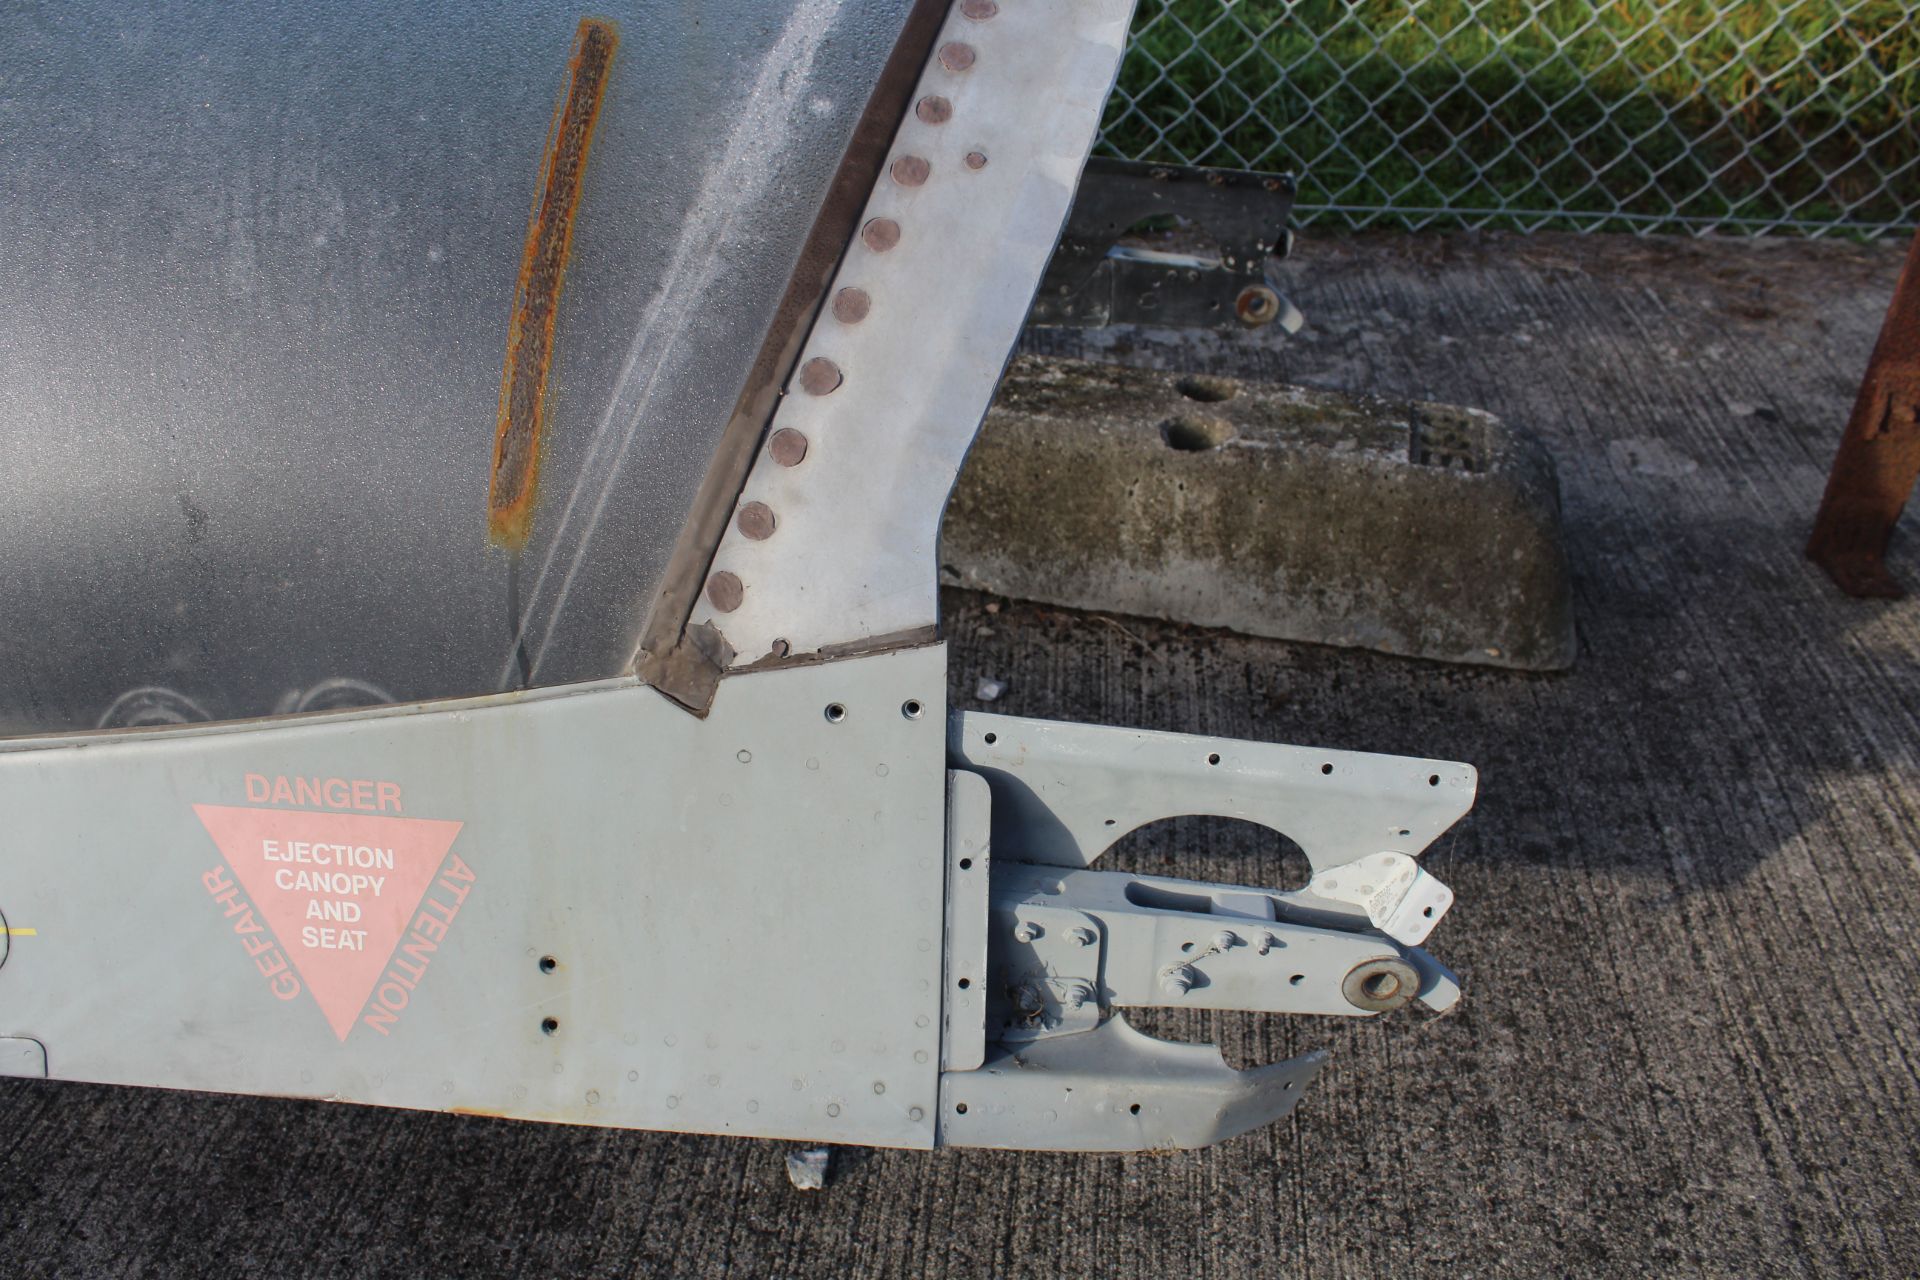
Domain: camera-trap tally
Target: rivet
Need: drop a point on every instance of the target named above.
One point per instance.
(956, 56)
(850, 306)
(725, 591)
(978, 10)
(910, 171)
(880, 234)
(933, 109)
(755, 521)
(976, 159)
(788, 447)
(820, 376)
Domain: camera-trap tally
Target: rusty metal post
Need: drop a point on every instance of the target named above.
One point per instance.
(1879, 455)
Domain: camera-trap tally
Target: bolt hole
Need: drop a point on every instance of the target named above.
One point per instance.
(1428, 913)
(960, 1108)
(1191, 433)
(965, 983)
(1109, 821)
(966, 864)
(992, 738)
(1405, 832)
(548, 964)
(549, 1025)
(1135, 1108)
(1208, 390)
(835, 713)
(911, 708)
(1214, 758)
(1297, 979)
(1433, 779)
(780, 648)
(1186, 946)
(1326, 768)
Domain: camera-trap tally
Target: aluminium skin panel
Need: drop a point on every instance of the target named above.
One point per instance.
(258, 267)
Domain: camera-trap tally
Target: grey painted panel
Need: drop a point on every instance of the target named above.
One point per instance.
(743, 912)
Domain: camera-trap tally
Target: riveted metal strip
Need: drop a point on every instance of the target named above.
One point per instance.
(833, 542)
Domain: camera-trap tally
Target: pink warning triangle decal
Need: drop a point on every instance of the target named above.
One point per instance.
(337, 889)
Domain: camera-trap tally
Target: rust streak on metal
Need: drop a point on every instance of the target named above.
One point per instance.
(536, 299)
(1879, 457)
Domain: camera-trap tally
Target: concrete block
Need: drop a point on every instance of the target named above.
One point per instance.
(1420, 529)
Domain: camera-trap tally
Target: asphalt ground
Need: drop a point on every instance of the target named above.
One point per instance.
(1685, 902)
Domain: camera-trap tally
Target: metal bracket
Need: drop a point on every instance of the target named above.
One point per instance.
(1202, 263)
(1114, 1089)
(1068, 947)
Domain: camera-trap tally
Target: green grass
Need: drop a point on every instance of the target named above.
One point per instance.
(1554, 112)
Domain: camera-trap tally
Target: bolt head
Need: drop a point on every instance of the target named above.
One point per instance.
(1085, 936)
(1026, 931)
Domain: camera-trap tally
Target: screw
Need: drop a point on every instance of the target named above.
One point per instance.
(788, 447)
(1224, 939)
(910, 171)
(1026, 931)
(820, 376)
(755, 521)
(850, 305)
(1085, 936)
(725, 591)
(1179, 979)
(1267, 943)
(1077, 998)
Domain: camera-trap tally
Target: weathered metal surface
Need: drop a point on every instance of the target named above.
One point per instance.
(1413, 528)
(1879, 460)
(728, 925)
(1114, 1089)
(948, 268)
(259, 271)
(969, 872)
(1068, 948)
(1177, 943)
(20, 1056)
(1064, 793)
(1202, 261)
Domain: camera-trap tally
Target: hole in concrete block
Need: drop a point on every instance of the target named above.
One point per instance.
(1208, 389)
(1192, 433)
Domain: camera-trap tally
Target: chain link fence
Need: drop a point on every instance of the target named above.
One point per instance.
(1743, 116)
